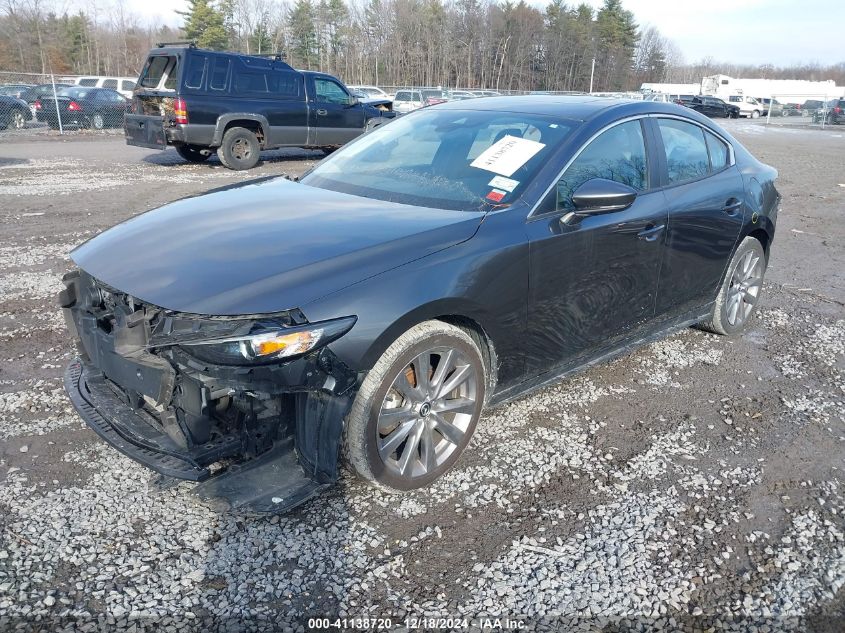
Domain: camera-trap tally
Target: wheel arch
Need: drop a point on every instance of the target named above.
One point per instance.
(253, 122)
(455, 311)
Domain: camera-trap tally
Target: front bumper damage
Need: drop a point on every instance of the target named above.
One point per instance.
(257, 438)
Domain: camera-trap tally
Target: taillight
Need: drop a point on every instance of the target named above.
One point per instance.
(837, 109)
(180, 109)
(37, 104)
(73, 106)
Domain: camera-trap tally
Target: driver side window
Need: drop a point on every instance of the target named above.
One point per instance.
(616, 154)
(328, 91)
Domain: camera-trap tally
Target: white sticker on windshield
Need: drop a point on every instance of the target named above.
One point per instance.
(507, 155)
(503, 183)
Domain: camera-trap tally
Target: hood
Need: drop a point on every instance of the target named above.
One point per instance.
(265, 247)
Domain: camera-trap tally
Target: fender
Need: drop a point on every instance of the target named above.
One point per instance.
(225, 119)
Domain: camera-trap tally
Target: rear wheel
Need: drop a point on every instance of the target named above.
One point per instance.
(240, 149)
(193, 153)
(755, 114)
(16, 120)
(417, 408)
(740, 289)
(97, 121)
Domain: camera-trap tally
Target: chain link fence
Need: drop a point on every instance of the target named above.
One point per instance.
(818, 111)
(32, 103)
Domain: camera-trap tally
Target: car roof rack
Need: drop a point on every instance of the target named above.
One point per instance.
(188, 43)
(279, 56)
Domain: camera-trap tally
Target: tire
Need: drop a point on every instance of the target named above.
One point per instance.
(97, 122)
(755, 114)
(240, 149)
(417, 425)
(741, 287)
(193, 153)
(16, 120)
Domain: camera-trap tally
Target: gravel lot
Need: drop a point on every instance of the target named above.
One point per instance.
(696, 484)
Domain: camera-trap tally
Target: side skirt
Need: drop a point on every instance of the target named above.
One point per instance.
(564, 370)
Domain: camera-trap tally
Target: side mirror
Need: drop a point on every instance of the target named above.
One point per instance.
(353, 101)
(600, 195)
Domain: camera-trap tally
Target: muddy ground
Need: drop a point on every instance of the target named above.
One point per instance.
(696, 484)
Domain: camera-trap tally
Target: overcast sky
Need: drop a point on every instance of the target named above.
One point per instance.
(779, 32)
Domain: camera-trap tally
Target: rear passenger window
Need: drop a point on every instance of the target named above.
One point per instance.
(111, 84)
(219, 79)
(155, 70)
(401, 96)
(88, 82)
(686, 152)
(718, 151)
(195, 71)
(616, 154)
(127, 85)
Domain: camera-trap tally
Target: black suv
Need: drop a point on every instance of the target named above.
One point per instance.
(200, 101)
(831, 112)
(713, 107)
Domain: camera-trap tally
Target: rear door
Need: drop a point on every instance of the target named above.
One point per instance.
(338, 116)
(705, 197)
(153, 98)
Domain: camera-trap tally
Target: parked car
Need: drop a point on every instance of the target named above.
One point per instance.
(14, 90)
(748, 106)
(123, 85)
(833, 112)
(371, 91)
(771, 104)
(34, 93)
(81, 107)
(407, 100)
(791, 109)
(810, 106)
(684, 100)
(432, 97)
(457, 95)
(668, 98)
(14, 113)
(201, 102)
(713, 107)
(459, 257)
(381, 103)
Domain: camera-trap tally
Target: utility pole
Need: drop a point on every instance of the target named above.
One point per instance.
(592, 72)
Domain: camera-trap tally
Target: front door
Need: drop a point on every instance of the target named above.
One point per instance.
(705, 196)
(339, 117)
(593, 280)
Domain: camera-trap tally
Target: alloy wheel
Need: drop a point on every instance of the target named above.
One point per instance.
(17, 120)
(98, 121)
(426, 412)
(746, 282)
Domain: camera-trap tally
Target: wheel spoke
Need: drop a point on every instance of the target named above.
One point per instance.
(422, 365)
(461, 375)
(733, 308)
(409, 453)
(752, 264)
(749, 297)
(448, 430)
(444, 366)
(428, 456)
(746, 267)
(389, 418)
(405, 388)
(454, 405)
(392, 441)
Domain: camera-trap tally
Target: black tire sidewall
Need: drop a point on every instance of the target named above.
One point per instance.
(376, 466)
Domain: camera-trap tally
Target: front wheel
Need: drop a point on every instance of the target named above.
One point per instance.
(193, 153)
(417, 408)
(740, 289)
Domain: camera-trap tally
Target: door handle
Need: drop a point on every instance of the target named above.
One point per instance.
(732, 206)
(322, 112)
(651, 232)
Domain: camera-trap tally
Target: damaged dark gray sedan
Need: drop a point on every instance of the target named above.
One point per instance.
(252, 338)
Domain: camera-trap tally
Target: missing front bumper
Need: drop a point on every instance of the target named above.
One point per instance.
(275, 481)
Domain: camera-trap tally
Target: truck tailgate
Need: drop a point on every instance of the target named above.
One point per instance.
(145, 131)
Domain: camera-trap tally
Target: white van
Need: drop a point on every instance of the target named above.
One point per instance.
(748, 106)
(123, 85)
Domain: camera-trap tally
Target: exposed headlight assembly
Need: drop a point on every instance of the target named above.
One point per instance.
(268, 343)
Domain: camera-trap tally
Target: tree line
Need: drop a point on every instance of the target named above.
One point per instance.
(503, 45)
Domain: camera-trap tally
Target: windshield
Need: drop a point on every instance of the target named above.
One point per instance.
(447, 159)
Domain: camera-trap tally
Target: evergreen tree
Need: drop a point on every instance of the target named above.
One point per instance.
(205, 25)
(303, 34)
